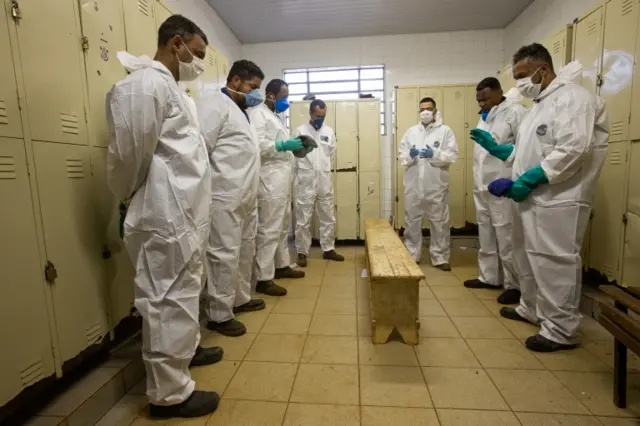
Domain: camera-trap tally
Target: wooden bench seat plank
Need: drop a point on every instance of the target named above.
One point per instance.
(623, 320)
(387, 256)
(623, 297)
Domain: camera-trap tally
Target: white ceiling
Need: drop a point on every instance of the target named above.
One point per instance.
(259, 21)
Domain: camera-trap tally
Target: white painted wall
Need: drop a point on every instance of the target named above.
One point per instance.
(419, 59)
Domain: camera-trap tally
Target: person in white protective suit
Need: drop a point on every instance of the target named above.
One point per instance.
(157, 162)
(314, 189)
(426, 151)
(559, 153)
(234, 156)
(501, 116)
(274, 192)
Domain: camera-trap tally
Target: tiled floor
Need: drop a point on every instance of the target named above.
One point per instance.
(308, 360)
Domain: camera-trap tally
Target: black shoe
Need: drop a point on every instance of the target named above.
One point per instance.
(476, 283)
(332, 255)
(288, 272)
(302, 260)
(270, 288)
(199, 404)
(539, 343)
(231, 328)
(251, 306)
(510, 297)
(444, 267)
(206, 356)
(512, 314)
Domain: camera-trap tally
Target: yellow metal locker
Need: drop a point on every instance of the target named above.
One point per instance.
(559, 45)
(346, 130)
(631, 261)
(457, 194)
(634, 127)
(472, 117)
(506, 77)
(10, 122)
(433, 92)
(299, 114)
(453, 113)
(470, 205)
(587, 47)
(407, 99)
(25, 334)
(73, 244)
(162, 13)
(608, 210)
(51, 61)
(633, 194)
(141, 27)
(369, 135)
(346, 191)
(223, 68)
(369, 198)
(103, 26)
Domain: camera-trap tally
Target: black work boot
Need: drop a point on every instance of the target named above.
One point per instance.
(540, 343)
(512, 314)
(231, 328)
(302, 260)
(332, 255)
(252, 305)
(510, 297)
(199, 404)
(476, 283)
(206, 356)
(270, 288)
(444, 267)
(288, 272)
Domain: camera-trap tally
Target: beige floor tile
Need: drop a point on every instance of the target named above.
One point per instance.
(235, 348)
(49, 421)
(463, 388)
(287, 324)
(326, 384)
(332, 291)
(321, 415)
(616, 421)
(295, 291)
(364, 326)
(465, 308)
(364, 306)
(426, 294)
(330, 350)
(492, 306)
(464, 273)
(140, 388)
(294, 306)
(576, 360)
(262, 381)
(391, 353)
(481, 328)
(214, 377)
(99, 404)
(535, 391)
(444, 281)
(431, 308)
(333, 325)
(248, 413)
(486, 293)
(445, 352)
(603, 350)
(393, 386)
(595, 391)
(521, 330)
(124, 412)
(504, 353)
(145, 420)
(437, 327)
(338, 278)
(396, 416)
(336, 306)
(591, 330)
(254, 321)
(452, 293)
(539, 419)
(477, 418)
(276, 348)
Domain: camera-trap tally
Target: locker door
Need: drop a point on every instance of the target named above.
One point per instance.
(23, 308)
(631, 261)
(434, 92)
(10, 122)
(346, 129)
(51, 55)
(608, 208)
(330, 118)
(368, 136)
(634, 127)
(162, 14)
(346, 196)
(223, 68)
(506, 78)
(633, 196)
(406, 116)
(298, 114)
(588, 47)
(457, 194)
(470, 205)
(141, 27)
(369, 183)
(454, 115)
(621, 25)
(103, 26)
(471, 119)
(556, 44)
(73, 243)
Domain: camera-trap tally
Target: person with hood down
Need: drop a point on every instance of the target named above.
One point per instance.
(559, 153)
(501, 116)
(158, 164)
(426, 151)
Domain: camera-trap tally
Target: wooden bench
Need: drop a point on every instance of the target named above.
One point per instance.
(394, 279)
(625, 330)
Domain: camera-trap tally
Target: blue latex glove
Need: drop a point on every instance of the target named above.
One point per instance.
(413, 152)
(293, 144)
(426, 153)
(485, 140)
(500, 187)
(526, 183)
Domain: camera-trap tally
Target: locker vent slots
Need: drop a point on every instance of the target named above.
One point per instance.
(75, 169)
(70, 123)
(94, 334)
(143, 6)
(32, 373)
(7, 167)
(627, 6)
(4, 116)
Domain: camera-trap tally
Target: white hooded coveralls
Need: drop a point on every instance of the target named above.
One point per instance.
(274, 194)
(494, 214)
(314, 188)
(235, 165)
(566, 132)
(426, 187)
(158, 158)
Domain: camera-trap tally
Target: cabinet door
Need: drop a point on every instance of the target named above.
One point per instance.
(346, 195)
(631, 261)
(633, 194)
(406, 116)
(346, 129)
(457, 194)
(162, 13)
(223, 68)
(10, 122)
(454, 115)
(557, 45)
(369, 188)
(368, 135)
(298, 114)
(470, 205)
(434, 92)
(141, 27)
(634, 128)
(588, 47)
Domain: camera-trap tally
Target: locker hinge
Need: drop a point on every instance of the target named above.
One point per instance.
(84, 41)
(50, 272)
(15, 10)
(19, 99)
(624, 219)
(86, 116)
(599, 80)
(397, 199)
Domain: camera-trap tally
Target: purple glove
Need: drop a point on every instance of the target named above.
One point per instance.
(500, 187)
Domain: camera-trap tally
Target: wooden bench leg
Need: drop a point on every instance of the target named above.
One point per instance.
(620, 374)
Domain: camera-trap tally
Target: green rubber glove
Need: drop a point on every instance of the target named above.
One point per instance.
(485, 140)
(293, 144)
(526, 183)
(502, 152)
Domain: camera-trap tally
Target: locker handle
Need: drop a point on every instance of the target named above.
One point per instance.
(50, 272)
(15, 10)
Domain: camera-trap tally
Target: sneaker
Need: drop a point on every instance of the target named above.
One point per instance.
(476, 283)
(288, 272)
(251, 306)
(231, 328)
(540, 343)
(270, 288)
(512, 314)
(302, 260)
(510, 297)
(332, 255)
(199, 404)
(444, 267)
(206, 356)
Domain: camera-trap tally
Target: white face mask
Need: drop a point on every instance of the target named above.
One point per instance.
(528, 88)
(189, 71)
(426, 116)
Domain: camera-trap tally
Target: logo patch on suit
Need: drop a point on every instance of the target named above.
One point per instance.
(324, 138)
(436, 144)
(541, 130)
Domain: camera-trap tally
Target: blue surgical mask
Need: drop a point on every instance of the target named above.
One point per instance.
(253, 98)
(281, 105)
(484, 115)
(317, 123)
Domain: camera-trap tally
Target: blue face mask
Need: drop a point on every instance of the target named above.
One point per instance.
(281, 105)
(484, 115)
(317, 123)
(253, 98)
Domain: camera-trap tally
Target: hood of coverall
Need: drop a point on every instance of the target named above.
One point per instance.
(134, 63)
(572, 73)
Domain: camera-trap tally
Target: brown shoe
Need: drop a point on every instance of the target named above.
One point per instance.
(332, 255)
(288, 272)
(444, 267)
(270, 288)
(302, 260)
